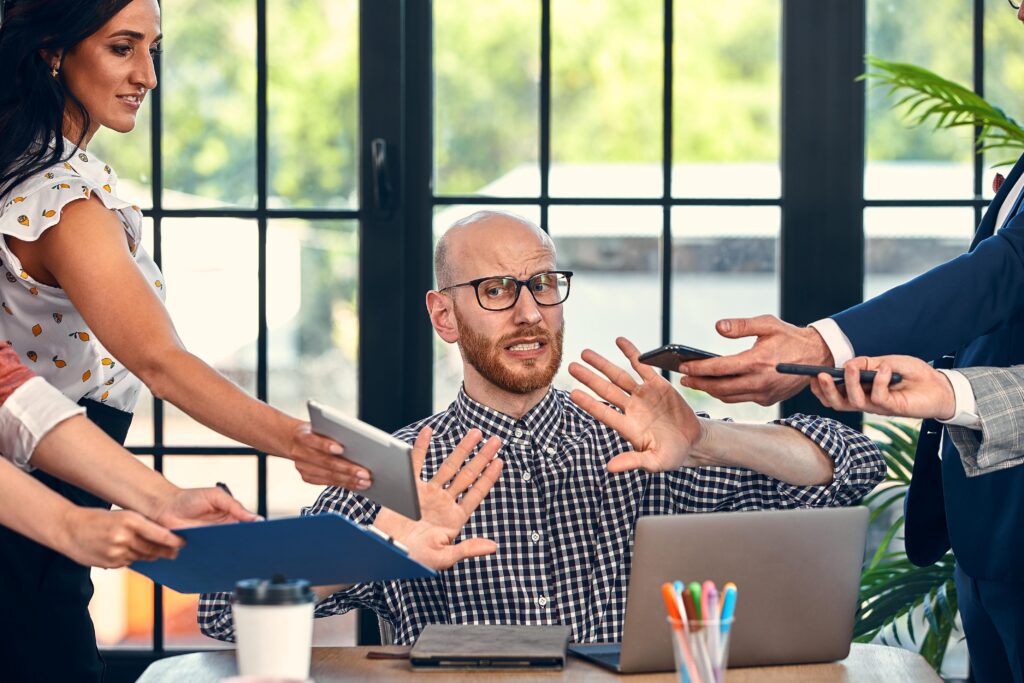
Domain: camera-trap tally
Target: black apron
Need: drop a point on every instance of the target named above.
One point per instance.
(45, 630)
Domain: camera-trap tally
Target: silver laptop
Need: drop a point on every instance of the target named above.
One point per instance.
(797, 574)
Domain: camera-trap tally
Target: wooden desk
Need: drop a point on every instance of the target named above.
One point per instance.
(866, 664)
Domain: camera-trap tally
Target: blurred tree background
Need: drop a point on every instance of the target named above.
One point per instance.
(606, 72)
(606, 96)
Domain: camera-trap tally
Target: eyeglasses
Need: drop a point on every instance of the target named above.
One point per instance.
(1014, 5)
(501, 292)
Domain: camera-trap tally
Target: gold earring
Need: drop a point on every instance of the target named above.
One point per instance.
(53, 71)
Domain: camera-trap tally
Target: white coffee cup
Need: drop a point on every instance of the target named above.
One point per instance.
(273, 627)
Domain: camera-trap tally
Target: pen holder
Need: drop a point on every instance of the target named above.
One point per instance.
(701, 649)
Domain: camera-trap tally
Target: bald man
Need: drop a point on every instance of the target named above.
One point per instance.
(562, 520)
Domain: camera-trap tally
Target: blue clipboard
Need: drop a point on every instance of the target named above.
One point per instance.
(323, 549)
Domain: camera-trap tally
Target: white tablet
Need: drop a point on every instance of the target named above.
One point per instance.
(388, 459)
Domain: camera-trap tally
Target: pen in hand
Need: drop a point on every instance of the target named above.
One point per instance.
(224, 487)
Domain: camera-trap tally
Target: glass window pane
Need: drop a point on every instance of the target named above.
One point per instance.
(919, 162)
(129, 156)
(614, 253)
(239, 473)
(313, 102)
(902, 243)
(209, 103)
(287, 493)
(447, 360)
(312, 315)
(210, 269)
(724, 265)
(141, 431)
(122, 604)
(727, 83)
(486, 73)
(1004, 85)
(606, 90)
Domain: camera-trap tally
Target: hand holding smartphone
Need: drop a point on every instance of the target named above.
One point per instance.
(866, 376)
(669, 356)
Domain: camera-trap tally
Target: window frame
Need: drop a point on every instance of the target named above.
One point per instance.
(821, 53)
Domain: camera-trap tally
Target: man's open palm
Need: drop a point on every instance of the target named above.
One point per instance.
(446, 502)
(654, 418)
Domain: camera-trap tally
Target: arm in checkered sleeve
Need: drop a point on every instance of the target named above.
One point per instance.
(857, 464)
(812, 456)
(855, 467)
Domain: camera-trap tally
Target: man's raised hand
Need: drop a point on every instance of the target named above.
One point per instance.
(654, 417)
(446, 502)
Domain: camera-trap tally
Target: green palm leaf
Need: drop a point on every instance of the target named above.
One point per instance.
(926, 96)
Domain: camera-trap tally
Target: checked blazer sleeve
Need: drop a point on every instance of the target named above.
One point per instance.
(999, 393)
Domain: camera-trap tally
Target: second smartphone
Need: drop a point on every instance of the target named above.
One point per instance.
(866, 376)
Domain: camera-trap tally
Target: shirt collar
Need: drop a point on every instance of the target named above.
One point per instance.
(89, 166)
(541, 425)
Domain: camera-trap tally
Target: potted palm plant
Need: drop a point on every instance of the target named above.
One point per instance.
(897, 598)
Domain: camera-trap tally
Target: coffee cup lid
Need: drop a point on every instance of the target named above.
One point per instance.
(275, 591)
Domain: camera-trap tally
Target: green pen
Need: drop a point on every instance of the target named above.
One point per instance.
(695, 592)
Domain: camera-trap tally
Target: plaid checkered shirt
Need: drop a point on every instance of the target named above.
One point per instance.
(562, 522)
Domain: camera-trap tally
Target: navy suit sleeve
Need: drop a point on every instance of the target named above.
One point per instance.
(947, 307)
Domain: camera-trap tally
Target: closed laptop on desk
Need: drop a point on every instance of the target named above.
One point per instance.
(798, 573)
(486, 646)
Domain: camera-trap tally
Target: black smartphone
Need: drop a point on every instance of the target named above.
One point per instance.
(866, 376)
(669, 356)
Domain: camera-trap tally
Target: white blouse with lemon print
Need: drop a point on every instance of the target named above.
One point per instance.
(39, 320)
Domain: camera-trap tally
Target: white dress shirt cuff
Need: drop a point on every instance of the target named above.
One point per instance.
(835, 340)
(28, 414)
(966, 414)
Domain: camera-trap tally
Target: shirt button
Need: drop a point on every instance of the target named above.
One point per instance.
(526, 476)
(518, 433)
(542, 601)
(551, 450)
(535, 537)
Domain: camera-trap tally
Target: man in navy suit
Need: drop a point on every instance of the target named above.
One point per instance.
(971, 311)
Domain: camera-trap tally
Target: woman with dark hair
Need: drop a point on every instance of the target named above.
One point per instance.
(82, 301)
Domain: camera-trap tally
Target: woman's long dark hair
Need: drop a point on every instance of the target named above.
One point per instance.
(32, 101)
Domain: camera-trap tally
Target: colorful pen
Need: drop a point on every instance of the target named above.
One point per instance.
(690, 609)
(728, 605)
(669, 595)
(709, 606)
(672, 604)
(695, 592)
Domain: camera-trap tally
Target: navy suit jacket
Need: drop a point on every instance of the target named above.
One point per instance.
(972, 307)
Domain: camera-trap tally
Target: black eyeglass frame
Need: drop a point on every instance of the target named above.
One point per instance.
(475, 284)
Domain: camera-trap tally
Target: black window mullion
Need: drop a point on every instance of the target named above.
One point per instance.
(821, 246)
(157, 174)
(261, 207)
(614, 201)
(545, 112)
(666, 169)
(395, 240)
